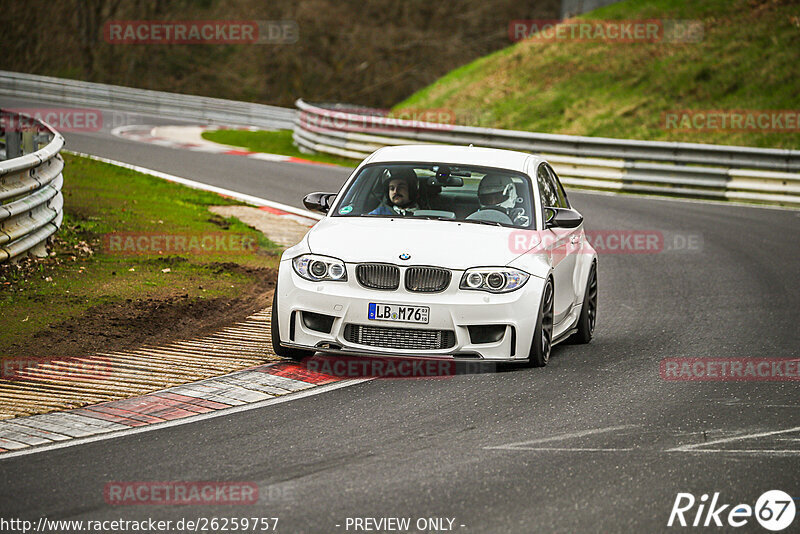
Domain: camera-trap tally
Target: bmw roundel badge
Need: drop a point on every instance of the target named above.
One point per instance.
(405, 256)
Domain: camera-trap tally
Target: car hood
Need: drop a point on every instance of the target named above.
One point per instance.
(429, 242)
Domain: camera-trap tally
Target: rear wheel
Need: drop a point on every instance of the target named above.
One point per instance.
(588, 317)
(543, 336)
(294, 354)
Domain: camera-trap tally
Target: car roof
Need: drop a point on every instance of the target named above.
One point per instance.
(462, 155)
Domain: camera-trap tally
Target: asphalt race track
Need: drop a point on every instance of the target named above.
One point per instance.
(597, 441)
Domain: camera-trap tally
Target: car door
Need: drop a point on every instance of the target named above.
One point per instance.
(573, 245)
(560, 244)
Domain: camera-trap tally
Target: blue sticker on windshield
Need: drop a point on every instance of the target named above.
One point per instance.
(345, 210)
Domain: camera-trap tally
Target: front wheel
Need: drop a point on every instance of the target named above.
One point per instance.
(543, 337)
(286, 352)
(588, 317)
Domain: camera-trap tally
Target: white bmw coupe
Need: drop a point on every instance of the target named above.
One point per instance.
(439, 251)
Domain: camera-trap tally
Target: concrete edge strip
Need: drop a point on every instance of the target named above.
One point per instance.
(307, 218)
(160, 409)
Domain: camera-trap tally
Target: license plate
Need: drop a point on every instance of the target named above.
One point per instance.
(401, 314)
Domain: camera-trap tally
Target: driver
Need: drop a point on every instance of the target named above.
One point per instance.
(401, 194)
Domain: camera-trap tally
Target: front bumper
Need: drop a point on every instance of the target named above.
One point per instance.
(451, 310)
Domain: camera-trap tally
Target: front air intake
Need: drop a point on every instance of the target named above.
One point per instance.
(378, 276)
(427, 279)
(318, 322)
(399, 338)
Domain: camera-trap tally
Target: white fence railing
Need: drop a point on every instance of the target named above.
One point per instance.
(31, 204)
(162, 104)
(674, 169)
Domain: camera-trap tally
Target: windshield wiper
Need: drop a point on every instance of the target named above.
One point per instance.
(434, 217)
(479, 221)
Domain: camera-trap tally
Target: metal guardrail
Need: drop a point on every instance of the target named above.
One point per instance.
(31, 204)
(172, 105)
(650, 167)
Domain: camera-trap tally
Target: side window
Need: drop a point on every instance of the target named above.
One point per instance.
(546, 188)
(562, 195)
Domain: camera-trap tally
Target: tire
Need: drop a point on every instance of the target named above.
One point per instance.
(285, 352)
(588, 318)
(542, 343)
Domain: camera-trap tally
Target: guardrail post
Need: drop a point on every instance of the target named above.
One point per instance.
(40, 139)
(13, 144)
(39, 250)
(28, 145)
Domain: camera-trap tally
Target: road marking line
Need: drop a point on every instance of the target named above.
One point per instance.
(177, 422)
(684, 448)
(750, 452)
(522, 444)
(564, 449)
(766, 452)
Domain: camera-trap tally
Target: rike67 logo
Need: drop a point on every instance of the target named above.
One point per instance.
(774, 510)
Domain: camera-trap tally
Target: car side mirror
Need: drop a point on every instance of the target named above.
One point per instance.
(320, 202)
(562, 218)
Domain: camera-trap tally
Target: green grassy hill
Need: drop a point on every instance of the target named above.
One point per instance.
(749, 58)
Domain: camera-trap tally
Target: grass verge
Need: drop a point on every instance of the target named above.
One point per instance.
(112, 266)
(271, 142)
(747, 60)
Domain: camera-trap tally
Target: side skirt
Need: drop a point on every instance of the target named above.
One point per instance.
(564, 335)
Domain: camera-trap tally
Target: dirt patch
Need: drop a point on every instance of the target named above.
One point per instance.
(282, 230)
(134, 322)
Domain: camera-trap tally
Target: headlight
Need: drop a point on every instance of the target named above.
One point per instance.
(320, 268)
(494, 279)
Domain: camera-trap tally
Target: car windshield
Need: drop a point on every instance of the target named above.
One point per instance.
(479, 195)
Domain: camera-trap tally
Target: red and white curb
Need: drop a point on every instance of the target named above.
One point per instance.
(190, 138)
(304, 217)
(242, 390)
(238, 391)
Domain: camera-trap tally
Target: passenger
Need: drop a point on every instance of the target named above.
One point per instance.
(497, 193)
